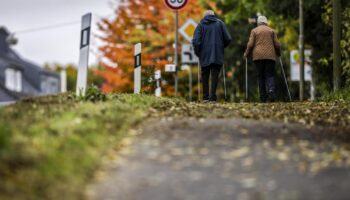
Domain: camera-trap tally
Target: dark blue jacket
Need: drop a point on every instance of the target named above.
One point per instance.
(210, 39)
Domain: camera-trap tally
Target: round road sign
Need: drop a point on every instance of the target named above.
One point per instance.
(176, 4)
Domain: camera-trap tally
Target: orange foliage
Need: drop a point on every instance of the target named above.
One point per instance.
(149, 22)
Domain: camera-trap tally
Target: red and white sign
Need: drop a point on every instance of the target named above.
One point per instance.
(176, 4)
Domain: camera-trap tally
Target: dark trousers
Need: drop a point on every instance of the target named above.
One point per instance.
(214, 71)
(266, 79)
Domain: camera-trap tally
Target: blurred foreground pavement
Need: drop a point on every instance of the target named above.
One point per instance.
(218, 159)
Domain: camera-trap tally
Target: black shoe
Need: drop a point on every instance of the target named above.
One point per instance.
(212, 102)
(206, 101)
(213, 98)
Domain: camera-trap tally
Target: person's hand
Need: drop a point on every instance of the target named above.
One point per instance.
(278, 52)
(245, 55)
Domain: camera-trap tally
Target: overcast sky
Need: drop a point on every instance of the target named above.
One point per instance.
(59, 45)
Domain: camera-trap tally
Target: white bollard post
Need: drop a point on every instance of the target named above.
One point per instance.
(63, 81)
(84, 55)
(137, 70)
(158, 77)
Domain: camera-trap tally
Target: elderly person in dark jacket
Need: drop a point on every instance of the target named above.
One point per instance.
(264, 46)
(210, 39)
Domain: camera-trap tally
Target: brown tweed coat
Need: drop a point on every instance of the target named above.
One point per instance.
(263, 44)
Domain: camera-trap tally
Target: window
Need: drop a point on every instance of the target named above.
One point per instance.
(13, 79)
(49, 85)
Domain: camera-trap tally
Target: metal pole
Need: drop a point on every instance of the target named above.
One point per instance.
(246, 80)
(302, 50)
(233, 99)
(199, 82)
(336, 44)
(190, 82)
(176, 51)
(312, 89)
(285, 79)
(224, 74)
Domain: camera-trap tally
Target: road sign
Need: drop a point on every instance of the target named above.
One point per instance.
(176, 4)
(187, 30)
(170, 68)
(84, 55)
(137, 70)
(295, 65)
(187, 55)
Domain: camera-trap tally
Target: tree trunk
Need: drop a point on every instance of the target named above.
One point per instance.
(302, 50)
(336, 44)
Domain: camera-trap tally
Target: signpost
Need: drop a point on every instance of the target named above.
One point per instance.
(187, 30)
(176, 5)
(84, 55)
(170, 68)
(188, 58)
(137, 70)
(189, 69)
(187, 55)
(295, 65)
(296, 69)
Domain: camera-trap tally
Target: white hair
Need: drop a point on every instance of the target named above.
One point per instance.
(209, 12)
(262, 20)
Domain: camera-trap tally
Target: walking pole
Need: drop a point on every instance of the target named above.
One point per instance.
(246, 79)
(224, 74)
(285, 79)
(199, 82)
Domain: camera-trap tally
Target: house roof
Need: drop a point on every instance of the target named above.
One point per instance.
(4, 47)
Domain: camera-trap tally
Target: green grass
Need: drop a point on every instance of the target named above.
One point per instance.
(342, 95)
(50, 146)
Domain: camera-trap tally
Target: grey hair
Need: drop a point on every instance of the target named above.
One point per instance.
(262, 20)
(208, 12)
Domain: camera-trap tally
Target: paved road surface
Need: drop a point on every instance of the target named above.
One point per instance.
(218, 159)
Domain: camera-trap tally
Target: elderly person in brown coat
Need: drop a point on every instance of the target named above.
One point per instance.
(264, 47)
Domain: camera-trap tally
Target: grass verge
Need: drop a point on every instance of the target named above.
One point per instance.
(50, 146)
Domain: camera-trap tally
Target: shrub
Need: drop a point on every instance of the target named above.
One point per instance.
(342, 95)
(93, 94)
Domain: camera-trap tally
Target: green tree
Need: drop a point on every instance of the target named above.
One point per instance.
(284, 18)
(345, 40)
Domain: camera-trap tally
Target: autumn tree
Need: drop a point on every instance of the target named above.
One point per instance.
(149, 22)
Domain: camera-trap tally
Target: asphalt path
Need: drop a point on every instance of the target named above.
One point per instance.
(219, 159)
